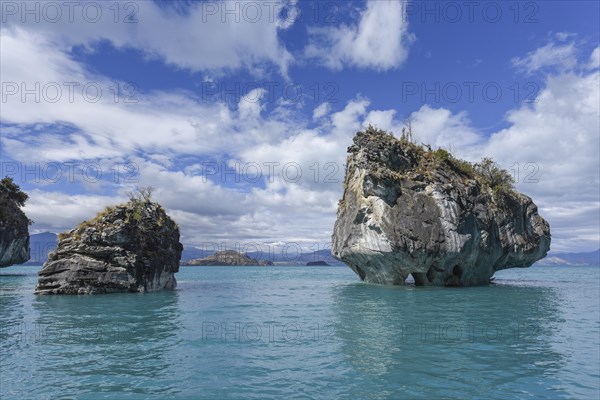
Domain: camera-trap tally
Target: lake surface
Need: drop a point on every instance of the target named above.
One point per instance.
(306, 332)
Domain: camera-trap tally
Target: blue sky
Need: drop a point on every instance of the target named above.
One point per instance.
(239, 113)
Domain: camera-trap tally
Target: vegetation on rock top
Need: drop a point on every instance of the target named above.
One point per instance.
(134, 209)
(410, 160)
(12, 191)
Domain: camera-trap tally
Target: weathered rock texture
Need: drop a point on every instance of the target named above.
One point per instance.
(406, 211)
(132, 247)
(14, 227)
(228, 257)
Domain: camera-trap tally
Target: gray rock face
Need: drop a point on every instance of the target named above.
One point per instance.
(132, 247)
(228, 257)
(406, 211)
(14, 229)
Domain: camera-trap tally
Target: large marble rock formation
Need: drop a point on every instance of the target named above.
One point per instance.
(14, 225)
(408, 210)
(133, 247)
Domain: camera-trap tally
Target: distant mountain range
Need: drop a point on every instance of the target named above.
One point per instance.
(588, 258)
(43, 243)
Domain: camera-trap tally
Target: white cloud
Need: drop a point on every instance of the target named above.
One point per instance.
(382, 120)
(379, 41)
(439, 127)
(595, 59)
(190, 192)
(320, 153)
(57, 212)
(561, 56)
(202, 36)
(564, 36)
(321, 110)
(169, 122)
(348, 121)
(250, 105)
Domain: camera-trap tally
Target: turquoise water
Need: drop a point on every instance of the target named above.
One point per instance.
(263, 332)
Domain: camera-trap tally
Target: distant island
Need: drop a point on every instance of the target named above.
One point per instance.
(317, 264)
(228, 257)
